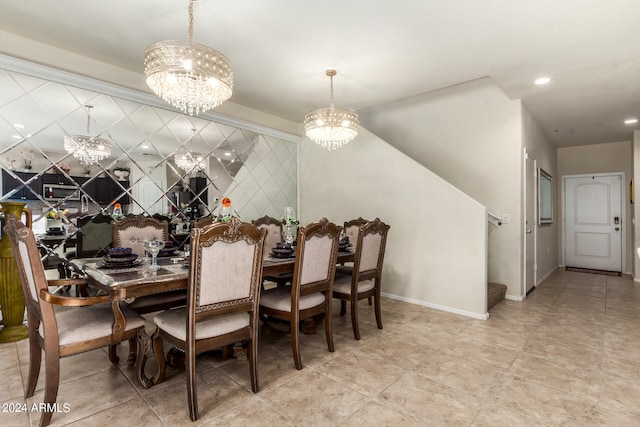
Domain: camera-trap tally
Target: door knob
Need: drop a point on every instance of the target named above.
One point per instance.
(617, 228)
(528, 231)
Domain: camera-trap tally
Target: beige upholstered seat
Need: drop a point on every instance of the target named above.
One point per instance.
(365, 280)
(224, 289)
(310, 293)
(86, 326)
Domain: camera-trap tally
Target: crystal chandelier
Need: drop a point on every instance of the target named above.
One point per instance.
(88, 149)
(331, 127)
(191, 77)
(189, 161)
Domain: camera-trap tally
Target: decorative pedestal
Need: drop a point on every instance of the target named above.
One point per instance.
(11, 296)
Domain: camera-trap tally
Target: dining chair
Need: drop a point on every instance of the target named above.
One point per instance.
(129, 231)
(94, 236)
(310, 293)
(202, 222)
(274, 236)
(351, 229)
(224, 289)
(85, 323)
(365, 280)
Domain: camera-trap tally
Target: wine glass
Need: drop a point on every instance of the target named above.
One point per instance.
(154, 247)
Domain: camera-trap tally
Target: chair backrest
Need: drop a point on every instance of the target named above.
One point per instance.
(31, 272)
(316, 255)
(352, 227)
(126, 233)
(202, 222)
(274, 231)
(226, 270)
(370, 247)
(94, 236)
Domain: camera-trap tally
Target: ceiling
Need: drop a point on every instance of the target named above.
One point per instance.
(384, 51)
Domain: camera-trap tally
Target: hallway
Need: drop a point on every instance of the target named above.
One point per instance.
(568, 355)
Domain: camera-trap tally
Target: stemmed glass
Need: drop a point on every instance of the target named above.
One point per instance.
(154, 247)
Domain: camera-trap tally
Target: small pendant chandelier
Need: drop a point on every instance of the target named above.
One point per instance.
(331, 127)
(88, 149)
(190, 161)
(192, 77)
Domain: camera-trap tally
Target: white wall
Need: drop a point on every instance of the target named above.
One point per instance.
(545, 153)
(471, 135)
(436, 251)
(600, 158)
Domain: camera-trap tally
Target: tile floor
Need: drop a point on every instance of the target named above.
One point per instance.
(568, 355)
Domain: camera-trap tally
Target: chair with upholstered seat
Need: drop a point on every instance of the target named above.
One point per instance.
(310, 293)
(94, 236)
(224, 290)
(365, 280)
(129, 232)
(87, 324)
(274, 236)
(350, 230)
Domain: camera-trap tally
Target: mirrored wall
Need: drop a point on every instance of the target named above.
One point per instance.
(161, 163)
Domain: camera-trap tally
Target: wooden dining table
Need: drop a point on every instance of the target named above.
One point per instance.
(126, 284)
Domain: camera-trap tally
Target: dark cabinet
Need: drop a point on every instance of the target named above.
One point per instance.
(31, 191)
(56, 178)
(199, 189)
(107, 190)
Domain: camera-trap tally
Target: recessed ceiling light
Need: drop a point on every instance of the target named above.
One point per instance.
(227, 154)
(18, 126)
(542, 80)
(630, 121)
(16, 136)
(144, 147)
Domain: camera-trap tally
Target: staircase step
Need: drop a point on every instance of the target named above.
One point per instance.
(495, 293)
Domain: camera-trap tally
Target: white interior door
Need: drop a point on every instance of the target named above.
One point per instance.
(593, 222)
(530, 222)
(150, 196)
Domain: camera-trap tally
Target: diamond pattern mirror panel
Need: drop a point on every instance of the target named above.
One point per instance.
(161, 162)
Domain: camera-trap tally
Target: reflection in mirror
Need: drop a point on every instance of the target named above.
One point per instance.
(256, 171)
(545, 198)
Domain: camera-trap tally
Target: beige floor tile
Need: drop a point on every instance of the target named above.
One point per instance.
(252, 413)
(15, 413)
(500, 417)
(8, 355)
(471, 348)
(563, 352)
(460, 372)
(136, 411)
(545, 404)
(89, 395)
(577, 380)
(620, 394)
(274, 369)
(314, 399)
(425, 335)
(495, 332)
(611, 417)
(216, 394)
(361, 372)
(389, 349)
(11, 385)
(375, 414)
(431, 403)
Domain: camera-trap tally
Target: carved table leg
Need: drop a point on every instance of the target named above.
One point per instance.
(145, 343)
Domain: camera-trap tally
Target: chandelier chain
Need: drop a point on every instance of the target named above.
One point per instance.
(331, 92)
(190, 21)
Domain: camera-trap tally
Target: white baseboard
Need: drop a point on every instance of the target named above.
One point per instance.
(484, 316)
(513, 298)
(546, 276)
